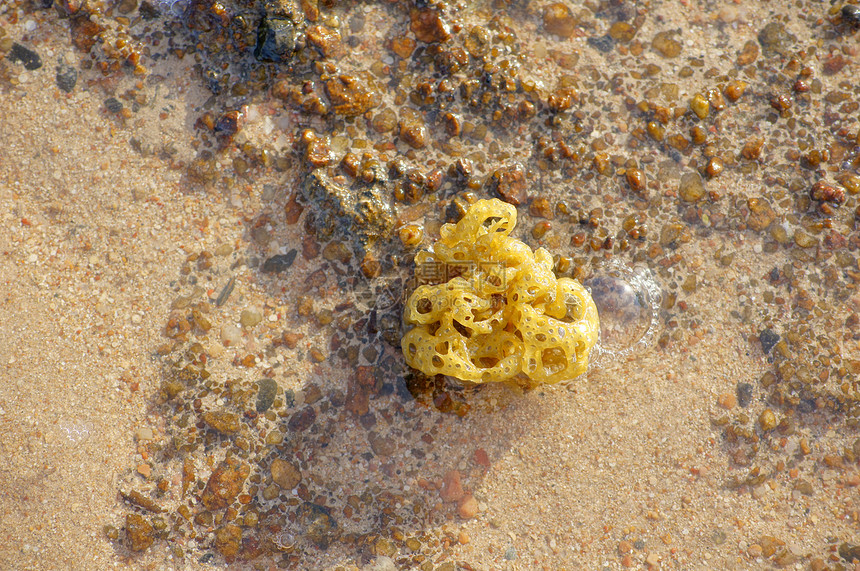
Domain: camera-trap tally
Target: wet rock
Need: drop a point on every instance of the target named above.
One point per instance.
(267, 390)
(139, 532)
(325, 40)
(691, 188)
(761, 214)
(767, 420)
(366, 213)
(320, 526)
(224, 484)
(285, 474)
(509, 184)
(25, 56)
(276, 39)
(827, 193)
(136, 498)
(775, 40)
(352, 95)
(280, 263)
(412, 129)
(768, 339)
(67, 77)
(428, 26)
(228, 540)
(559, 20)
(223, 422)
(665, 45)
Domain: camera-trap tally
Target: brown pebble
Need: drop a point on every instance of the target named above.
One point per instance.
(625, 547)
(665, 45)
(509, 183)
(467, 507)
(452, 487)
(428, 26)
(224, 484)
(727, 400)
(412, 129)
(827, 193)
(748, 54)
(325, 40)
(752, 148)
(636, 179)
(352, 95)
(559, 20)
(714, 167)
(228, 540)
(767, 420)
(285, 474)
(403, 46)
(735, 89)
(541, 208)
(223, 422)
(139, 532)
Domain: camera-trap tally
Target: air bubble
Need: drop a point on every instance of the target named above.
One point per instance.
(628, 301)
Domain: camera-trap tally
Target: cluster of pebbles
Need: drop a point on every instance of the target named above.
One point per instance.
(615, 135)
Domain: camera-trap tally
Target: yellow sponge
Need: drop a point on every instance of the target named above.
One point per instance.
(502, 314)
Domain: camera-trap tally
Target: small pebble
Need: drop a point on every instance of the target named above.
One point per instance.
(231, 335)
(251, 317)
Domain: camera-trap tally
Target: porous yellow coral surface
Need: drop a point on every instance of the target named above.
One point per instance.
(502, 314)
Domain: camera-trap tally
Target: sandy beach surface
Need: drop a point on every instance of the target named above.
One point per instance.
(142, 313)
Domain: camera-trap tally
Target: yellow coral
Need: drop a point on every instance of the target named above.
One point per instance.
(502, 314)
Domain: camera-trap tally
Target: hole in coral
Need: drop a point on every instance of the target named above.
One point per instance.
(412, 349)
(487, 362)
(424, 306)
(553, 359)
(462, 329)
(437, 361)
(540, 337)
(442, 348)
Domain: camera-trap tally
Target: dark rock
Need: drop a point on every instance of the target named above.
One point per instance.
(849, 552)
(745, 393)
(279, 263)
(320, 526)
(603, 44)
(851, 13)
(768, 339)
(266, 393)
(113, 105)
(775, 40)
(67, 77)
(276, 39)
(25, 56)
(365, 212)
(302, 420)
